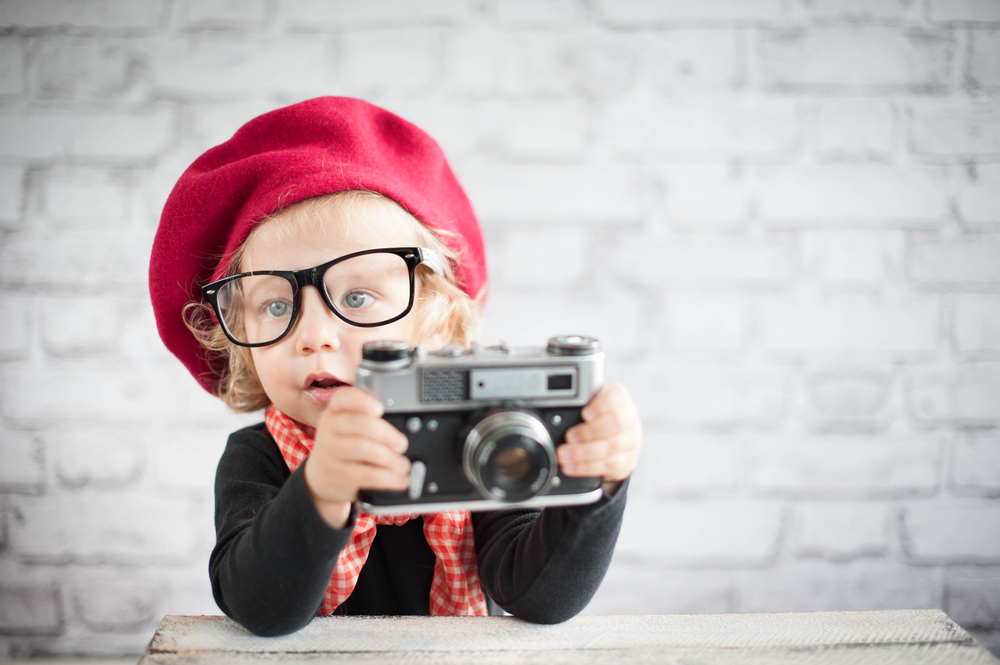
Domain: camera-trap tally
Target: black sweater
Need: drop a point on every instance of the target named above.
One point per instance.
(274, 554)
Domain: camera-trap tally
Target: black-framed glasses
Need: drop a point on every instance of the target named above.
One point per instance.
(365, 289)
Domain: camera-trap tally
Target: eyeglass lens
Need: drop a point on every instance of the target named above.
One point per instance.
(367, 289)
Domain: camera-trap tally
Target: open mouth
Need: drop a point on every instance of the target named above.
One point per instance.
(326, 383)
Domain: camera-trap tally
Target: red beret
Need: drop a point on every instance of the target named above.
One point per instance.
(315, 147)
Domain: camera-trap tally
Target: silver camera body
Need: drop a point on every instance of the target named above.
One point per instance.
(483, 423)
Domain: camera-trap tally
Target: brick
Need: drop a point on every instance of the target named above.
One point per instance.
(94, 14)
(86, 68)
(693, 394)
(215, 123)
(536, 13)
(29, 610)
(856, 58)
(973, 598)
(978, 197)
(187, 463)
(705, 323)
(648, 588)
(700, 129)
(21, 462)
(524, 319)
(228, 66)
(461, 128)
(404, 61)
(88, 197)
(682, 464)
(15, 326)
(811, 586)
(975, 465)
(859, 9)
(984, 60)
(703, 533)
(115, 606)
(49, 134)
(950, 128)
(220, 13)
(644, 13)
(853, 194)
(312, 14)
(96, 458)
(855, 128)
(555, 258)
(952, 534)
(849, 324)
(697, 62)
(840, 531)
(703, 195)
(847, 399)
(547, 132)
(101, 391)
(706, 259)
(12, 186)
(79, 325)
(964, 10)
(541, 66)
(968, 395)
(11, 66)
(103, 527)
(852, 258)
(839, 465)
(191, 598)
(94, 257)
(972, 262)
(977, 324)
(554, 194)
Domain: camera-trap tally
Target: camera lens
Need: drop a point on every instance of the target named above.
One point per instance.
(512, 463)
(509, 456)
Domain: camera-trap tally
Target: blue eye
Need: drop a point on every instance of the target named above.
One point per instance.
(357, 299)
(277, 309)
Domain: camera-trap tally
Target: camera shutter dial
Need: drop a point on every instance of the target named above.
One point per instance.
(509, 456)
(573, 345)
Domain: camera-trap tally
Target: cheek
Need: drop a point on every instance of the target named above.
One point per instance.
(268, 367)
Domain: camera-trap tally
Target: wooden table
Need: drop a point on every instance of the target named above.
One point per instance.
(911, 636)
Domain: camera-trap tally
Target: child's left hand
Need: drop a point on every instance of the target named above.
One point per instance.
(607, 442)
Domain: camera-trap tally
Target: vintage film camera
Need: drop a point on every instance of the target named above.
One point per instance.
(483, 423)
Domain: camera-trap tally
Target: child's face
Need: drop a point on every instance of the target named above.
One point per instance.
(302, 371)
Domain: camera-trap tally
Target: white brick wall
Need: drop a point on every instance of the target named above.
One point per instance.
(781, 216)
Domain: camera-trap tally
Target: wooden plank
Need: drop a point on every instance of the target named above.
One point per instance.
(915, 636)
(941, 654)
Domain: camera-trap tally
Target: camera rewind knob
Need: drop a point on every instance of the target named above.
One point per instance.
(573, 345)
(385, 351)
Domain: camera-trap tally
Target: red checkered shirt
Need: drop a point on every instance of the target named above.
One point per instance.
(455, 587)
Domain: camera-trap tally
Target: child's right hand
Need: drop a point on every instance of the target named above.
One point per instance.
(355, 449)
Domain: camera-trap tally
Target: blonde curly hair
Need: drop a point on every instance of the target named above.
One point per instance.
(440, 299)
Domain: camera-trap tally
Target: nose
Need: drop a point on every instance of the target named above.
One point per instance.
(317, 327)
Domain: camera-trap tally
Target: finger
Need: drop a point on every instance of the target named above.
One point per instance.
(355, 400)
(362, 450)
(608, 424)
(576, 453)
(615, 467)
(345, 425)
(365, 476)
(610, 397)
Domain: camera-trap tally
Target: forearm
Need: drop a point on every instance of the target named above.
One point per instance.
(545, 567)
(269, 572)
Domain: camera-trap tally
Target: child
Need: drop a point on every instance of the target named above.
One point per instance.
(356, 230)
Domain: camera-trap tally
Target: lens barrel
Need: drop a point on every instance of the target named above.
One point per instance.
(508, 456)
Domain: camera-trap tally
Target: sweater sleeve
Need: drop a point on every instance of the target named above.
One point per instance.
(545, 566)
(274, 554)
